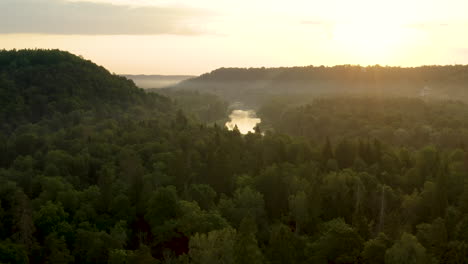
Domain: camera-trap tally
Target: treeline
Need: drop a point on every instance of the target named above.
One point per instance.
(151, 185)
(345, 73)
(254, 85)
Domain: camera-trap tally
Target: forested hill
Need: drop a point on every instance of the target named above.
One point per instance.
(254, 84)
(37, 84)
(343, 73)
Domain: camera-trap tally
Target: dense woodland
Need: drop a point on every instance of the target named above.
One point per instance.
(402, 121)
(95, 170)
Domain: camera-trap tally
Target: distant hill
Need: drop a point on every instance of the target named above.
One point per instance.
(157, 81)
(253, 85)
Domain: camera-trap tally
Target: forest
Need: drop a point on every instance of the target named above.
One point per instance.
(94, 169)
(255, 85)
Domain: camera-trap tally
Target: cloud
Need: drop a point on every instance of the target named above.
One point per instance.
(92, 18)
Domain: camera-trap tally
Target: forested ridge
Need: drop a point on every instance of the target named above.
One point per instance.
(95, 170)
(255, 85)
(345, 73)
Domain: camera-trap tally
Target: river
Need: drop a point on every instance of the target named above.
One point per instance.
(246, 120)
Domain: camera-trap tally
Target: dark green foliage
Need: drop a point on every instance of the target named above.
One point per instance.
(406, 250)
(374, 249)
(203, 106)
(94, 170)
(337, 243)
(38, 84)
(12, 253)
(246, 248)
(393, 120)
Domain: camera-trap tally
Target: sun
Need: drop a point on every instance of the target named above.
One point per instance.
(369, 42)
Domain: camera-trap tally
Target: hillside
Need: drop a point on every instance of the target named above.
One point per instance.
(253, 85)
(37, 84)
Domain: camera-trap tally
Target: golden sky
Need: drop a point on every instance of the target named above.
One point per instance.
(197, 36)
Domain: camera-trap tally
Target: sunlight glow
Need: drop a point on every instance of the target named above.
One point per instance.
(370, 41)
(194, 37)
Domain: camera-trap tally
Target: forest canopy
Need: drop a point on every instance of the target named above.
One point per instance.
(96, 170)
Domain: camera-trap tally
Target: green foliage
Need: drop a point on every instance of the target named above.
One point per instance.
(245, 203)
(374, 249)
(337, 243)
(163, 206)
(58, 250)
(205, 107)
(94, 170)
(214, 247)
(12, 253)
(49, 217)
(284, 246)
(203, 194)
(246, 248)
(406, 250)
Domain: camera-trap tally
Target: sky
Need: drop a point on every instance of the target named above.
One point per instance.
(197, 36)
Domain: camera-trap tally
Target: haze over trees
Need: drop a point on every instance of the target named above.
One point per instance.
(96, 170)
(156, 81)
(255, 85)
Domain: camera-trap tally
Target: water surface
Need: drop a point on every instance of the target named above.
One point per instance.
(245, 120)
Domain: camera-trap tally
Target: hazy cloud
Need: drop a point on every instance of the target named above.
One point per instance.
(91, 18)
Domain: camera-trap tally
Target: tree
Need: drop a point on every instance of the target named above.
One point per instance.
(163, 209)
(298, 206)
(345, 154)
(406, 250)
(142, 255)
(337, 243)
(162, 206)
(57, 250)
(203, 194)
(48, 218)
(214, 247)
(92, 247)
(374, 249)
(327, 152)
(246, 248)
(119, 234)
(191, 219)
(342, 192)
(132, 170)
(246, 203)
(433, 236)
(24, 225)
(284, 246)
(270, 183)
(12, 253)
